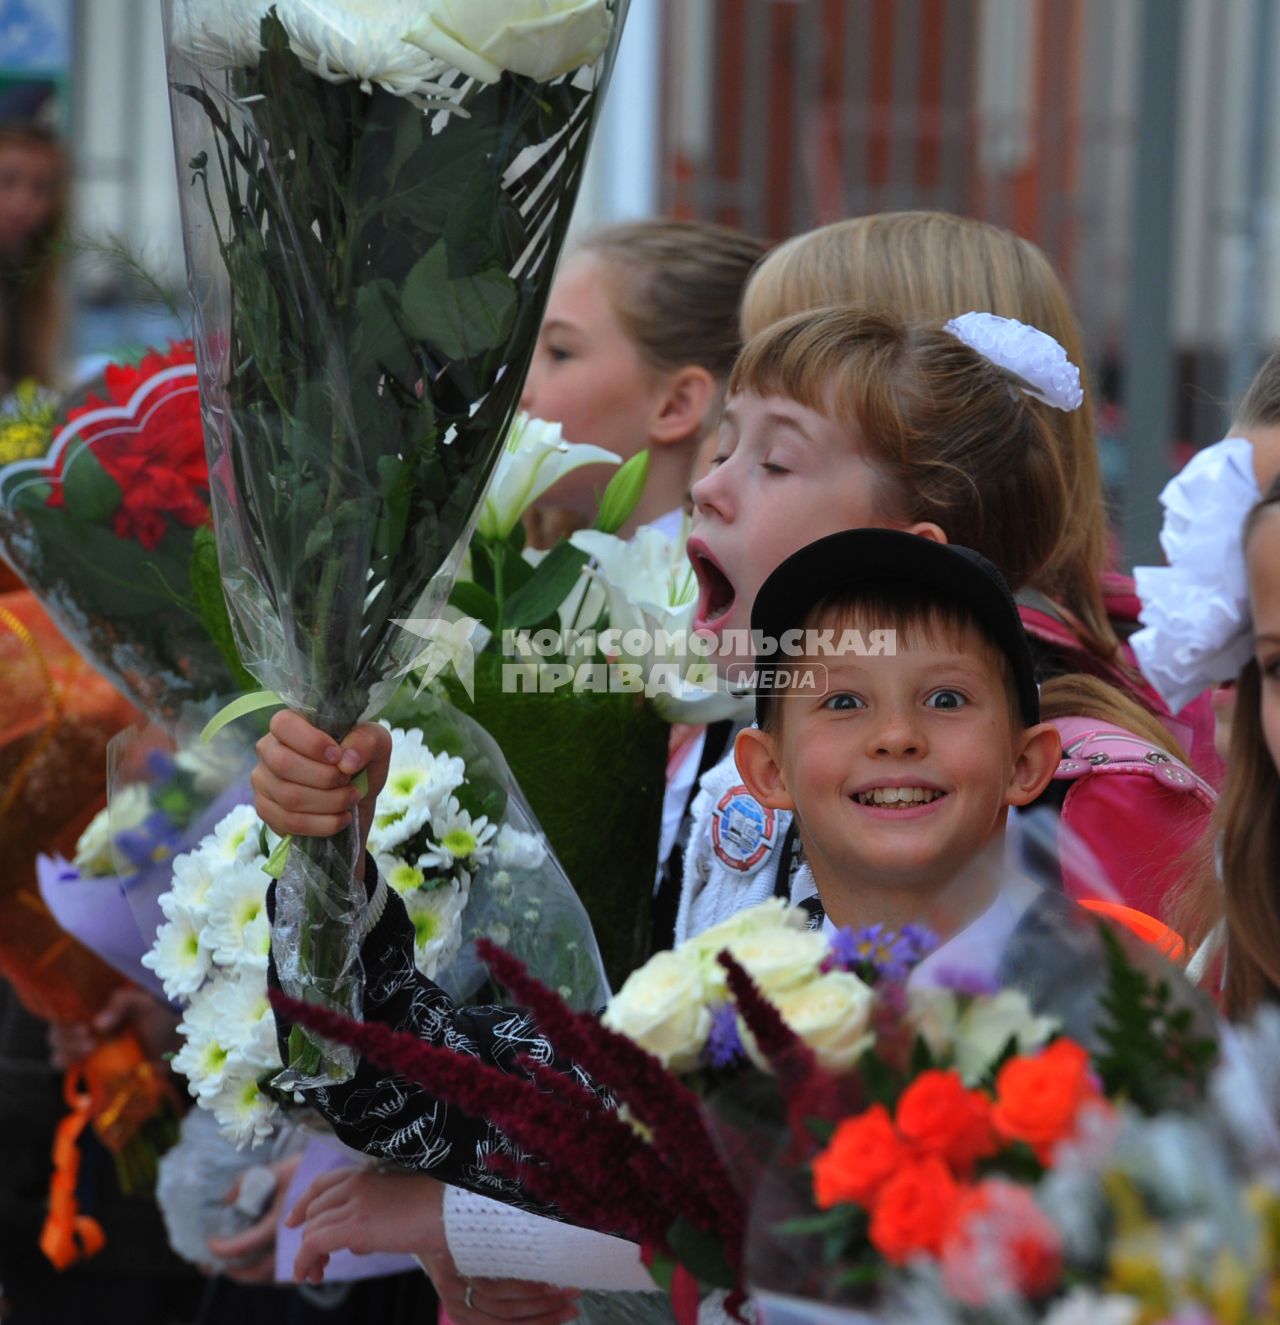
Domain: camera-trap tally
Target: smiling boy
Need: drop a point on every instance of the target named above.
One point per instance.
(900, 768)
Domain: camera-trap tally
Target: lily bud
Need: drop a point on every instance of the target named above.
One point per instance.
(623, 494)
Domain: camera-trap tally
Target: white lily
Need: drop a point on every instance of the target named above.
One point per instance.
(540, 39)
(534, 459)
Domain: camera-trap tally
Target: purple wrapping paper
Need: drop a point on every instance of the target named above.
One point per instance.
(97, 912)
(319, 1157)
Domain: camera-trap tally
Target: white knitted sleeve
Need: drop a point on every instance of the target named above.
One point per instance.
(489, 1240)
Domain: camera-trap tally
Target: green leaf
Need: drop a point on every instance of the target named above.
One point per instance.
(273, 866)
(90, 492)
(544, 591)
(469, 597)
(211, 604)
(460, 318)
(702, 1254)
(238, 708)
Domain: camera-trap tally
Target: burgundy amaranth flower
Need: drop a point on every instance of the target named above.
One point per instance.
(792, 1060)
(659, 1100)
(539, 1123)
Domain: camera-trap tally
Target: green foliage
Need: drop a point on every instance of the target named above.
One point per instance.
(1156, 1046)
(211, 604)
(702, 1254)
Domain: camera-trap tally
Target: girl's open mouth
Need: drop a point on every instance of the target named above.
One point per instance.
(716, 594)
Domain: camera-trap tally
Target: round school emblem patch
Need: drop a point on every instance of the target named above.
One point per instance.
(742, 831)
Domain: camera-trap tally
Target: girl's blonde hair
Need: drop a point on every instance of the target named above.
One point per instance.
(1248, 828)
(931, 266)
(954, 439)
(676, 288)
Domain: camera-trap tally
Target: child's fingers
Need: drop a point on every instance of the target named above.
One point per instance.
(297, 798)
(288, 765)
(366, 747)
(305, 815)
(317, 1189)
(293, 730)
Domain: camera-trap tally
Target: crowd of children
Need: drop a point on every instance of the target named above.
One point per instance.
(903, 442)
(872, 394)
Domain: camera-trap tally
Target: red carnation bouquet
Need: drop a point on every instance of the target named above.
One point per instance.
(111, 529)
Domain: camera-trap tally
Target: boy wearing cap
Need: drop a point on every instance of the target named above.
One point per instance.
(900, 766)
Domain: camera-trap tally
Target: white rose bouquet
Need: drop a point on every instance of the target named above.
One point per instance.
(374, 198)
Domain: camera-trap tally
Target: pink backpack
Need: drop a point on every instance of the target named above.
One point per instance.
(1192, 728)
(1132, 811)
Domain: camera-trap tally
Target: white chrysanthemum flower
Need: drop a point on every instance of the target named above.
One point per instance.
(208, 1045)
(244, 1112)
(436, 914)
(401, 876)
(414, 768)
(459, 839)
(237, 838)
(243, 1013)
(516, 850)
(178, 957)
(192, 879)
(238, 931)
(394, 823)
(359, 40)
(129, 807)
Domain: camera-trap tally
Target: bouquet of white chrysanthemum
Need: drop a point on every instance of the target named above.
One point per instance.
(453, 844)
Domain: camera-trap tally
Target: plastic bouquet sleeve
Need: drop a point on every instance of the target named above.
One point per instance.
(373, 204)
(106, 529)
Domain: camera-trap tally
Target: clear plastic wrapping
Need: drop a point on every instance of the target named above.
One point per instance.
(373, 205)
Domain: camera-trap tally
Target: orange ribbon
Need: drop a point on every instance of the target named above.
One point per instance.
(116, 1090)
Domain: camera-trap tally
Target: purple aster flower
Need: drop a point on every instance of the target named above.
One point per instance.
(878, 954)
(160, 766)
(724, 1044)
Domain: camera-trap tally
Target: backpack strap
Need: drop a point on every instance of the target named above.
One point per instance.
(1093, 747)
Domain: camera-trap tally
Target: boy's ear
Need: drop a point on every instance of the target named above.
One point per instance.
(685, 405)
(1037, 757)
(755, 753)
(927, 529)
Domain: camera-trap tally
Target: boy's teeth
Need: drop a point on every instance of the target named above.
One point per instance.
(898, 796)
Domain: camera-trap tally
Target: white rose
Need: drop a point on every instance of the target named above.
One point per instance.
(776, 959)
(540, 39)
(934, 1011)
(662, 1007)
(129, 808)
(831, 1014)
(773, 914)
(987, 1026)
(973, 1038)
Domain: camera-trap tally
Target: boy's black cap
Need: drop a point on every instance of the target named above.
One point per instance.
(861, 558)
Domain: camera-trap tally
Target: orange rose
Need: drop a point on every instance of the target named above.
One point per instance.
(863, 1152)
(913, 1210)
(1038, 1099)
(999, 1243)
(939, 1116)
